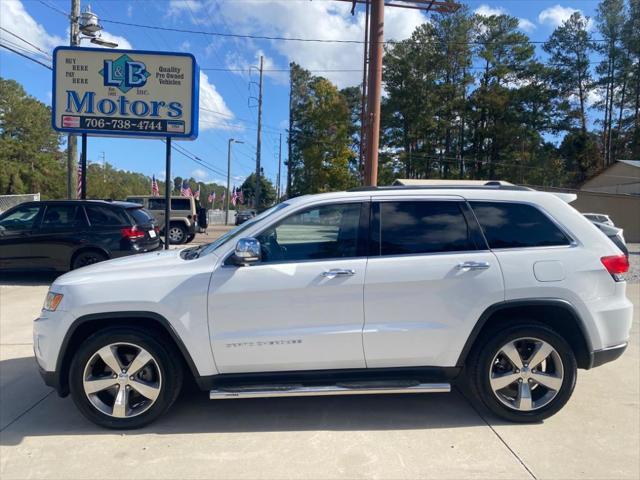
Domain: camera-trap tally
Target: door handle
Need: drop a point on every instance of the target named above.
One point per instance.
(338, 272)
(473, 266)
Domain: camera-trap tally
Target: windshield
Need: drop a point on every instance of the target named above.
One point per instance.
(206, 249)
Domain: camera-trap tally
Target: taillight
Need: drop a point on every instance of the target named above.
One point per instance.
(157, 229)
(616, 265)
(132, 233)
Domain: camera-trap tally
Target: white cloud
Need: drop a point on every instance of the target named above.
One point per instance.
(214, 113)
(177, 7)
(487, 11)
(130, 11)
(526, 25)
(556, 15)
(247, 69)
(185, 46)
(323, 20)
(15, 18)
(199, 174)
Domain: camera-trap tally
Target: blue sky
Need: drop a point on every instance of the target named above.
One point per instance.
(225, 94)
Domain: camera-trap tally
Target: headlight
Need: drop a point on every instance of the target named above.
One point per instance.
(52, 301)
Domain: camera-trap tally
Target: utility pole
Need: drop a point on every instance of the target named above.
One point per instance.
(72, 145)
(374, 86)
(289, 134)
(374, 80)
(228, 196)
(259, 140)
(279, 168)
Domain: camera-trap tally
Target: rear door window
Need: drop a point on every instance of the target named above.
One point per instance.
(103, 216)
(517, 225)
(414, 227)
(63, 216)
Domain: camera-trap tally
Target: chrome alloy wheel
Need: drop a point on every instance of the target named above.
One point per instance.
(526, 374)
(122, 380)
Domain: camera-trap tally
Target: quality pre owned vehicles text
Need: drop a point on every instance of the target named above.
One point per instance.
(380, 290)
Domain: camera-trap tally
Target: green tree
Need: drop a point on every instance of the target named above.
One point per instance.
(267, 192)
(569, 48)
(29, 155)
(321, 135)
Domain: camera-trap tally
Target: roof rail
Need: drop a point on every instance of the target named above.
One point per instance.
(486, 186)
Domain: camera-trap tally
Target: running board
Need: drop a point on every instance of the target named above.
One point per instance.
(263, 391)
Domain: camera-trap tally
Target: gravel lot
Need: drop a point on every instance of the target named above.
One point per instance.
(634, 259)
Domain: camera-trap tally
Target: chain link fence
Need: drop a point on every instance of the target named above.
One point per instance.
(9, 201)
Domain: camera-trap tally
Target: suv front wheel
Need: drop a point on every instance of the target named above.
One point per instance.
(123, 378)
(524, 373)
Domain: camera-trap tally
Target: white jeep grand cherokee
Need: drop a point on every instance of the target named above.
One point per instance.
(378, 290)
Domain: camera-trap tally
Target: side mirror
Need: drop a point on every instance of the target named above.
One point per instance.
(247, 251)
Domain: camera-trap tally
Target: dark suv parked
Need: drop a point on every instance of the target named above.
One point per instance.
(69, 234)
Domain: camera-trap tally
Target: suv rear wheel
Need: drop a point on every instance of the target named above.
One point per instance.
(123, 378)
(177, 234)
(524, 373)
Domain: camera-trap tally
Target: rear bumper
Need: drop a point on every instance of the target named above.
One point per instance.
(606, 355)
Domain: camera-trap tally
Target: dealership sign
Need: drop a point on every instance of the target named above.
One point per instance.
(125, 93)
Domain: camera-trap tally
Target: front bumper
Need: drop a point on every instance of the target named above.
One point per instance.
(606, 355)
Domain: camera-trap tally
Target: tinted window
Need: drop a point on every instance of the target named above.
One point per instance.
(329, 231)
(141, 216)
(101, 216)
(60, 216)
(513, 225)
(23, 218)
(423, 227)
(176, 204)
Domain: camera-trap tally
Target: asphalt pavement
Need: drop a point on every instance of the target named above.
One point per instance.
(597, 435)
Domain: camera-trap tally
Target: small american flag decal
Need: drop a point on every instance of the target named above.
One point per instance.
(70, 121)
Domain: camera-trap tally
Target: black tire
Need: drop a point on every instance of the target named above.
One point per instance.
(190, 238)
(165, 357)
(87, 257)
(481, 362)
(177, 234)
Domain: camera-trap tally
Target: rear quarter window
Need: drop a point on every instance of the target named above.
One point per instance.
(140, 216)
(517, 225)
(103, 216)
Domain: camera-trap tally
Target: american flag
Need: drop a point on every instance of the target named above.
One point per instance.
(197, 194)
(155, 190)
(79, 190)
(223, 197)
(240, 196)
(212, 198)
(185, 191)
(234, 197)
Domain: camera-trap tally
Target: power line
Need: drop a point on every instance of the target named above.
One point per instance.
(26, 56)
(315, 40)
(25, 41)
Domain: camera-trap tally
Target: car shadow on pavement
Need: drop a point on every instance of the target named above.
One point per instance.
(194, 413)
(28, 278)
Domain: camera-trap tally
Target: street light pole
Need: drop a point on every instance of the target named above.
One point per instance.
(227, 198)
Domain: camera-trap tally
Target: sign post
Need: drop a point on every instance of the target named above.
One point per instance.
(126, 93)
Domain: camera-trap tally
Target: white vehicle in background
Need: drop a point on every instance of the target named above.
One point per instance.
(375, 290)
(615, 234)
(599, 218)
